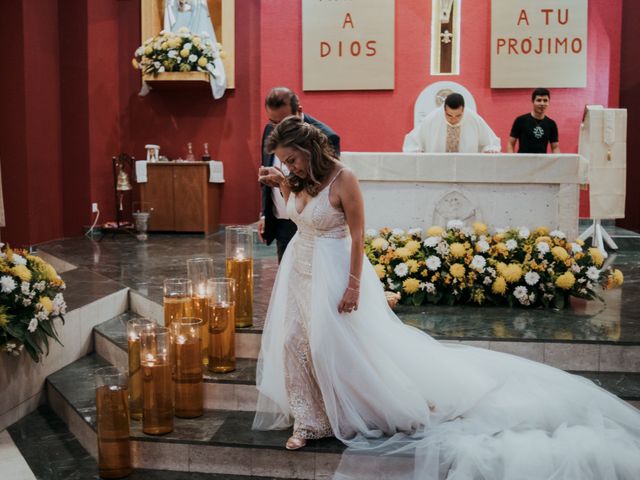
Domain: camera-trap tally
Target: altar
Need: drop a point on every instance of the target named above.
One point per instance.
(406, 190)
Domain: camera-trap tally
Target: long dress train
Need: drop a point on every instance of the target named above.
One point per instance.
(469, 413)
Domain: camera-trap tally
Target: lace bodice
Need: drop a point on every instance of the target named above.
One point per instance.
(319, 218)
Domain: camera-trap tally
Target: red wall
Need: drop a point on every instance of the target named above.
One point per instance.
(67, 115)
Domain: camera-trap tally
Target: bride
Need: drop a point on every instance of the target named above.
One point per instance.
(336, 361)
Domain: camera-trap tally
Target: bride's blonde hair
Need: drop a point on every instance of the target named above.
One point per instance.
(313, 143)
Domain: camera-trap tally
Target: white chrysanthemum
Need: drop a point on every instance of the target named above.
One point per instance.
(187, 45)
(542, 247)
(33, 325)
(593, 273)
(523, 232)
(511, 244)
(557, 234)
(429, 287)
(42, 315)
(575, 248)
(521, 292)
(415, 231)
(483, 245)
(7, 284)
(398, 232)
(431, 241)
(193, 58)
(26, 302)
(433, 262)
(371, 232)
(531, 278)
(39, 286)
(161, 69)
(478, 262)
(487, 280)
(19, 259)
(25, 288)
(455, 224)
(575, 267)
(401, 270)
(442, 249)
(172, 54)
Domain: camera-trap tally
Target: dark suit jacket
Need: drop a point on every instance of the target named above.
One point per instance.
(267, 161)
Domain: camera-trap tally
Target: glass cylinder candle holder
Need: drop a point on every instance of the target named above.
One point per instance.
(134, 329)
(239, 266)
(177, 299)
(158, 405)
(186, 345)
(199, 270)
(112, 409)
(221, 306)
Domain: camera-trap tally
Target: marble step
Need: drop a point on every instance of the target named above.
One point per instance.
(229, 391)
(52, 452)
(221, 441)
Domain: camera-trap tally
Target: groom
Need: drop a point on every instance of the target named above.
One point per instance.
(274, 222)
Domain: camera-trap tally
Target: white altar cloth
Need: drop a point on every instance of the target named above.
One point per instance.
(406, 190)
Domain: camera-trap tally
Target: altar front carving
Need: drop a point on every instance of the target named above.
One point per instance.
(406, 190)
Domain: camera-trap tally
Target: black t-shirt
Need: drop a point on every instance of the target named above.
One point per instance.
(534, 135)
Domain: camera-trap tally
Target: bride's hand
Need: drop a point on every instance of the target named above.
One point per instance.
(270, 176)
(349, 301)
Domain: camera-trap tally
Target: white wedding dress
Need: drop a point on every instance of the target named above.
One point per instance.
(461, 412)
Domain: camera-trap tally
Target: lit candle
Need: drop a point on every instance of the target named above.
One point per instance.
(158, 399)
(187, 371)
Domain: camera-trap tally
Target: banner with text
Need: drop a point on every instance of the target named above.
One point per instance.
(348, 44)
(538, 43)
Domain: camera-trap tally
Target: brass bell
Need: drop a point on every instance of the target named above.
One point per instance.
(123, 184)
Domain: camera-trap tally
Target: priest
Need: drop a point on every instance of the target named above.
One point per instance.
(452, 129)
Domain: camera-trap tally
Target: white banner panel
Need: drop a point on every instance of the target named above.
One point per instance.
(538, 43)
(348, 44)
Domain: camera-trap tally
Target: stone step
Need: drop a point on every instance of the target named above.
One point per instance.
(221, 441)
(52, 452)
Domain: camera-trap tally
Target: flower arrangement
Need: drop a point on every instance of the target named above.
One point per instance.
(177, 52)
(462, 264)
(30, 301)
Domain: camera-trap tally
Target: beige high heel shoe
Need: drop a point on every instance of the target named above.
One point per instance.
(295, 443)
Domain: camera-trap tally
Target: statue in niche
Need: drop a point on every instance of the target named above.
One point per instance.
(194, 15)
(454, 205)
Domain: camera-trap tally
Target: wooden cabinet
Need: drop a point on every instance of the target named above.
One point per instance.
(180, 197)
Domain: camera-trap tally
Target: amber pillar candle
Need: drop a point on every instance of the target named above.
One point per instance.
(134, 328)
(177, 299)
(239, 266)
(158, 407)
(221, 306)
(199, 270)
(112, 422)
(187, 366)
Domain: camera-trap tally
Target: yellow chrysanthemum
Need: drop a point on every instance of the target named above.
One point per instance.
(542, 231)
(411, 285)
(379, 243)
(618, 277)
(457, 250)
(480, 228)
(184, 53)
(202, 61)
(403, 253)
(560, 253)
(413, 246)
(457, 270)
(498, 237)
(413, 265)
(566, 280)
(46, 303)
(381, 271)
(501, 247)
(4, 318)
(22, 272)
(174, 42)
(512, 273)
(500, 266)
(544, 239)
(435, 231)
(164, 45)
(147, 50)
(499, 286)
(596, 254)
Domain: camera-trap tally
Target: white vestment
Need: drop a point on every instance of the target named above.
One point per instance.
(431, 135)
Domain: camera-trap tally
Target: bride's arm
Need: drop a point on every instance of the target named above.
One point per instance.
(273, 177)
(353, 207)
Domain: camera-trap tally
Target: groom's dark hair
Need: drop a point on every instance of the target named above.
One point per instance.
(281, 96)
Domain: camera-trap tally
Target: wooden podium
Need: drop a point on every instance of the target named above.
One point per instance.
(181, 198)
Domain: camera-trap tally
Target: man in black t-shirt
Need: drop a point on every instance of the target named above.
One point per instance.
(534, 131)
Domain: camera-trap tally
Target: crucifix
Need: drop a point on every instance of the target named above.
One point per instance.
(445, 45)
